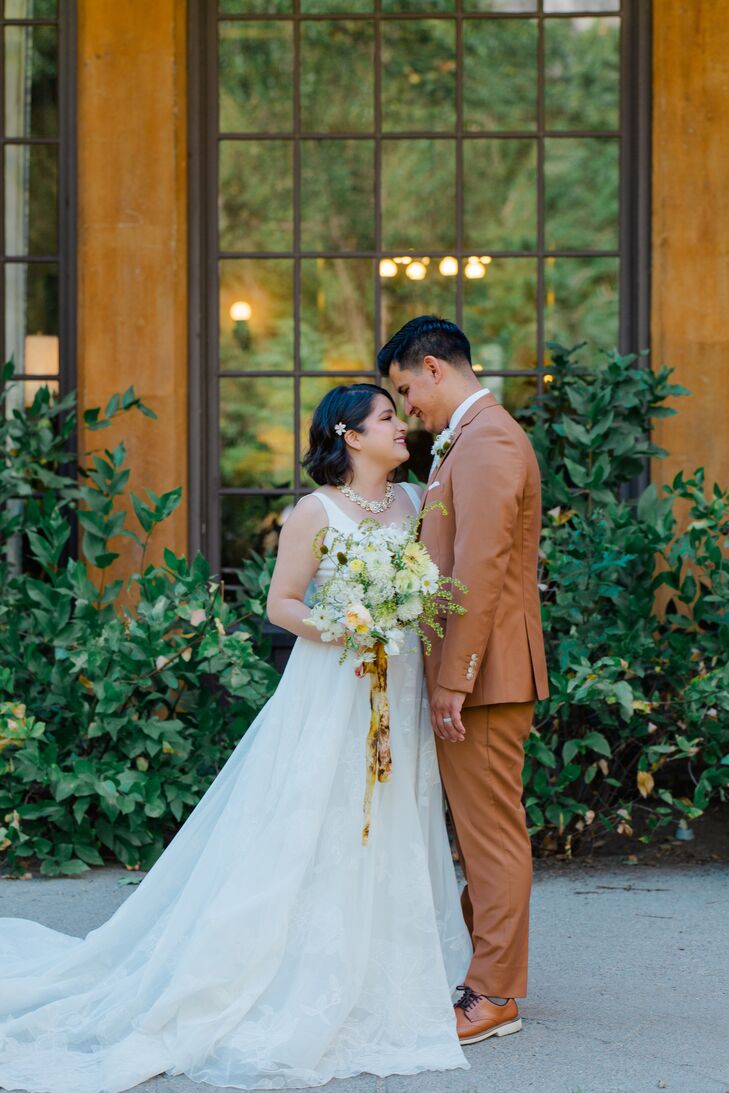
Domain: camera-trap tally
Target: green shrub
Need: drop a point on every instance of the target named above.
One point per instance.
(113, 719)
(635, 732)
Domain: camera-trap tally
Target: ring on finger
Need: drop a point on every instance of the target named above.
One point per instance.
(447, 720)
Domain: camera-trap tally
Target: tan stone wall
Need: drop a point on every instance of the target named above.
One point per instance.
(690, 320)
(132, 236)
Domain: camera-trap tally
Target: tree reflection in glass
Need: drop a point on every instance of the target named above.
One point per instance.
(500, 74)
(500, 194)
(337, 313)
(419, 75)
(581, 300)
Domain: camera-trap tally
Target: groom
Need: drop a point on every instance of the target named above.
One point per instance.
(486, 673)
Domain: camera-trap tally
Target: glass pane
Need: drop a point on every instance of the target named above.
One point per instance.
(513, 392)
(337, 187)
(500, 314)
(31, 199)
(418, 195)
(31, 81)
(337, 313)
(404, 298)
(500, 194)
(551, 6)
(582, 73)
(31, 387)
(31, 9)
(325, 6)
(256, 195)
(581, 301)
(418, 5)
(500, 74)
(31, 305)
(581, 193)
(337, 54)
(507, 6)
(257, 314)
(419, 75)
(256, 77)
(257, 431)
(251, 523)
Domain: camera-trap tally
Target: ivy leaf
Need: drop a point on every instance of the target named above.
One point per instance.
(598, 743)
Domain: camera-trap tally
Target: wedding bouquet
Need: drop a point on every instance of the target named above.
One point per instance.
(382, 583)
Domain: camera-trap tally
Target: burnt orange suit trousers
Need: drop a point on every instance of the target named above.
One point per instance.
(482, 777)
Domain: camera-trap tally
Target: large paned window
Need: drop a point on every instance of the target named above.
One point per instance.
(365, 161)
(35, 192)
(36, 199)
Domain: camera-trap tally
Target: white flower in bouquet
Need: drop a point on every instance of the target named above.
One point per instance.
(394, 641)
(410, 609)
(325, 621)
(406, 582)
(379, 592)
(379, 565)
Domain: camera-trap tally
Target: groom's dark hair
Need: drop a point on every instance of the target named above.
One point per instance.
(422, 337)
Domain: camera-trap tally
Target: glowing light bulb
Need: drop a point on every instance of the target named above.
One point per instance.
(474, 270)
(241, 311)
(388, 268)
(548, 378)
(486, 259)
(478, 368)
(416, 271)
(448, 266)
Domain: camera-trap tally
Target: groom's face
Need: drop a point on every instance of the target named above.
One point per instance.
(421, 394)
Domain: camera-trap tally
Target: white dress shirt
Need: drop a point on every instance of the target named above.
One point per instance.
(460, 410)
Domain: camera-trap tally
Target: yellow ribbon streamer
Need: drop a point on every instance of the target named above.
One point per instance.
(379, 756)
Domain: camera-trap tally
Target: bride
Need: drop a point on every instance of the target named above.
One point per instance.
(267, 948)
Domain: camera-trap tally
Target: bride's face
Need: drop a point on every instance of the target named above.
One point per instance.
(382, 436)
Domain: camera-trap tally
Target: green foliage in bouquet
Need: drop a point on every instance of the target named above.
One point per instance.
(114, 718)
(635, 733)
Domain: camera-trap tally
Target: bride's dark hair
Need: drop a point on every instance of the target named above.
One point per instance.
(327, 460)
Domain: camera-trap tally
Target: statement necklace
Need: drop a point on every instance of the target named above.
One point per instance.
(370, 506)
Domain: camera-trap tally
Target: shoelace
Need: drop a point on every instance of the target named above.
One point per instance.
(468, 999)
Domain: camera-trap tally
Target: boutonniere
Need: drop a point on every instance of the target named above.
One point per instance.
(442, 443)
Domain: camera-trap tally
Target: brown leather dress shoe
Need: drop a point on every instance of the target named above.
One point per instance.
(477, 1018)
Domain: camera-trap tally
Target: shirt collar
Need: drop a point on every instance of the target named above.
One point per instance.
(460, 410)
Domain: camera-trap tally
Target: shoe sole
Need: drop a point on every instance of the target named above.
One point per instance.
(499, 1030)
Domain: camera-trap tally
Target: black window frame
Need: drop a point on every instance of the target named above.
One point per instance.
(634, 246)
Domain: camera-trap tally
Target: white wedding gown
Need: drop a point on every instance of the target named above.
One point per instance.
(266, 948)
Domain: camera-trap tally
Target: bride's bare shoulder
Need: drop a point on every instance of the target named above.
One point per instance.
(307, 517)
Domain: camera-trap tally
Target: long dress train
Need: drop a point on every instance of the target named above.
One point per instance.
(266, 948)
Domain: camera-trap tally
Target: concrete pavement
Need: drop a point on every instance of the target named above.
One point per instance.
(629, 983)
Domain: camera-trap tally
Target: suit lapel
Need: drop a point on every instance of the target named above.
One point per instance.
(473, 411)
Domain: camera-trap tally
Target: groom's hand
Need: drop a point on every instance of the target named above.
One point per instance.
(445, 714)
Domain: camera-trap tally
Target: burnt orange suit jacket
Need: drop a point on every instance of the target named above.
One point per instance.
(489, 482)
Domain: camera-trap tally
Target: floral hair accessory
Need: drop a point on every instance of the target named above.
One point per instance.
(340, 428)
